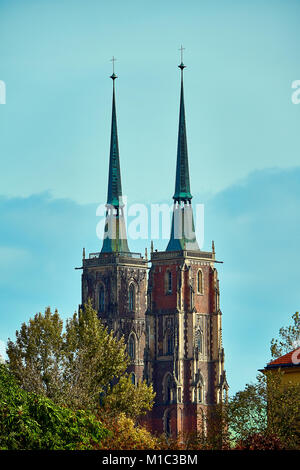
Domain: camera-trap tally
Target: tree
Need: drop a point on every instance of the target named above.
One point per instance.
(289, 338)
(134, 400)
(247, 411)
(95, 359)
(37, 356)
(126, 435)
(260, 441)
(265, 408)
(283, 409)
(33, 422)
(74, 366)
(269, 407)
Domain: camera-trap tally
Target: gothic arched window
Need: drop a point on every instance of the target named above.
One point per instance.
(199, 388)
(200, 282)
(191, 297)
(132, 376)
(167, 423)
(199, 394)
(168, 388)
(101, 298)
(170, 346)
(168, 282)
(131, 347)
(131, 298)
(199, 341)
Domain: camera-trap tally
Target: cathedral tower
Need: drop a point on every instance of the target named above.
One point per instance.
(184, 353)
(116, 279)
(171, 322)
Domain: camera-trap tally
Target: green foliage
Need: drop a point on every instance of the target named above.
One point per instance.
(260, 441)
(76, 366)
(288, 338)
(32, 422)
(37, 356)
(125, 434)
(247, 410)
(283, 409)
(94, 359)
(267, 408)
(130, 399)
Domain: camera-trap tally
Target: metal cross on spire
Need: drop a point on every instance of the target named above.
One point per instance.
(181, 51)
(113, 60)
(181, 66)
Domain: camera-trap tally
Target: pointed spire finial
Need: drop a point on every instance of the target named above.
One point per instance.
(113, 76)
(181, 66)
(115, 239)
(183, 229)
(182, 184)
(114, 194)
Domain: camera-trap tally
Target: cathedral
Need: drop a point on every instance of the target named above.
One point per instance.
(167, 307)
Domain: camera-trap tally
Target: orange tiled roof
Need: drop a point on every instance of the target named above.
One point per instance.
(286, 359)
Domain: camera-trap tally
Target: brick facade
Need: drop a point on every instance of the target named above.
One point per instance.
(172, 329)
(123, 280)
(184, 354)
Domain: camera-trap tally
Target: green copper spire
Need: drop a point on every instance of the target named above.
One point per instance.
(182, 184)
(183, 229)
(114, 193)
(115, 239)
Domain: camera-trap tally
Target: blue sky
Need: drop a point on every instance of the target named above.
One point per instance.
(243, 140)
